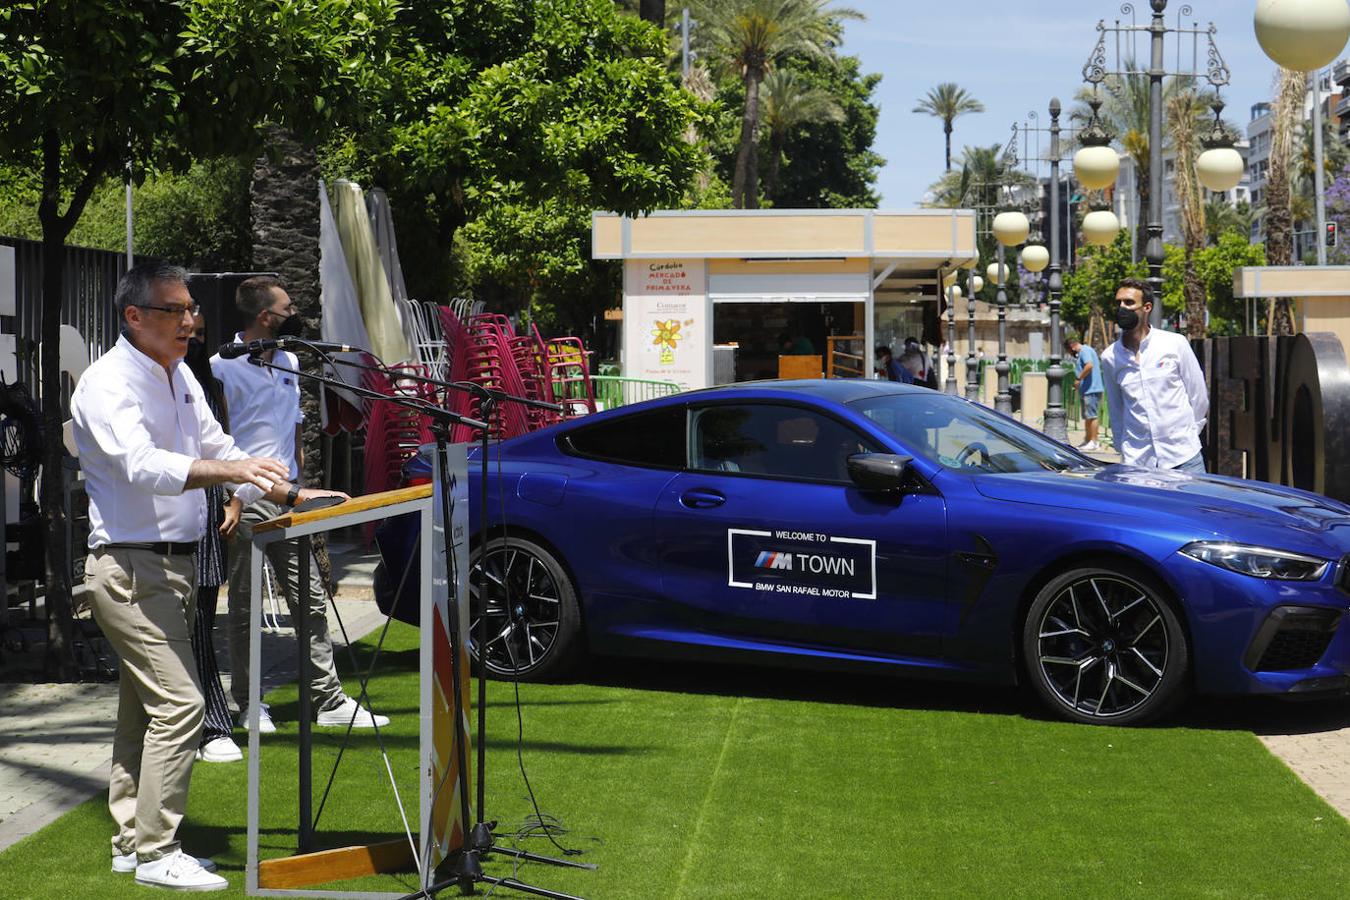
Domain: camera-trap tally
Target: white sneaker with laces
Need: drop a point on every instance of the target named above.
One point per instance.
(340, 715)
(179, 872)
(265, 723)
(1089, 445)
(126, 863)
(220, 750)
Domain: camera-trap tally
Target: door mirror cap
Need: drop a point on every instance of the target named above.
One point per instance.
(884, 472)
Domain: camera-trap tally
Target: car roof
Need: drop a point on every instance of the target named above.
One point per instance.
(836, 390)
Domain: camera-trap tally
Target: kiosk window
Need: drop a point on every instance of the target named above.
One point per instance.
(654, 439)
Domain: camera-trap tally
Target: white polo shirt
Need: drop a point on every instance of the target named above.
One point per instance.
(138, 430)
(264, 405)
(1157, 399)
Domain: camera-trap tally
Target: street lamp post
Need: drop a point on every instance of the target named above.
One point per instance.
(972, 361)
(1095, 71)
(1055, 425)
(952, 292)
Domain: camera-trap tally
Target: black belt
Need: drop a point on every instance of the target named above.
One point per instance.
(163, 548)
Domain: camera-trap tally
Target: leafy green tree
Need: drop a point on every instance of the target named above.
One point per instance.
(947, 102)
(789, 101)
(89, 88)
(749, 38)
(1221, 217)
(1216, 264)
(832, 164)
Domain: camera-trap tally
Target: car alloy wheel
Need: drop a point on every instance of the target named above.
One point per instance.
(531, 617)
(1103, 646)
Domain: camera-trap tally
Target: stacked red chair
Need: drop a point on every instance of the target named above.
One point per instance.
(569, 374)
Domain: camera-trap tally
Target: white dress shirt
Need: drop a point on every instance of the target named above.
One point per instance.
(264, 405)
(1157, 399)
(139, 429)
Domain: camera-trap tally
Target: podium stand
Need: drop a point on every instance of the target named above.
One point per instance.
(444, 603)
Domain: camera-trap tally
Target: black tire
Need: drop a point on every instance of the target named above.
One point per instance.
(1104, 646)
(538, 637)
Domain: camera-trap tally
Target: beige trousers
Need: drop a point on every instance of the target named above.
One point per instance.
(144, 603)
(325, 690)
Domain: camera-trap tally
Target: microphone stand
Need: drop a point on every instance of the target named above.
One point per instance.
(464, 867)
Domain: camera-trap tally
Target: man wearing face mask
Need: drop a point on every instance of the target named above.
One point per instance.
(264, 406)
(1155, 390)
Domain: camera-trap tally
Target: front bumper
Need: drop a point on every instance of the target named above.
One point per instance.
(1252, 636)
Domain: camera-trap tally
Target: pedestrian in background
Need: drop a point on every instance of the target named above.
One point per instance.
(1154, 387)
(222, 518)
(1087, 369)
(888, 368)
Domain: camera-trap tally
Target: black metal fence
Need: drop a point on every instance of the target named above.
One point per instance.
(86, 304)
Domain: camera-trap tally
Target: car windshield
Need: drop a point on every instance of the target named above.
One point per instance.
(966, 436)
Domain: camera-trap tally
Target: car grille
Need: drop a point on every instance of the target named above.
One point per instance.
(1295, 638)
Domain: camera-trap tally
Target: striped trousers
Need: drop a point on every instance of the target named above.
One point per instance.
(218, 723)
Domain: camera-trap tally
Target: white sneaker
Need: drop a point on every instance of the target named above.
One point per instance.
(126, 863)
(179, 872)
(349, 711)
(1089, 446)
(265, 723)
(221, 750)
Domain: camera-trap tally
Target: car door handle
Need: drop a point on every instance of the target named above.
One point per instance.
(702, 498)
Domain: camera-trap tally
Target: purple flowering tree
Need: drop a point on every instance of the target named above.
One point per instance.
(1338, 211)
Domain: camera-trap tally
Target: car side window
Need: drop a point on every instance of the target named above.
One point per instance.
(775, 441)
(654, 439)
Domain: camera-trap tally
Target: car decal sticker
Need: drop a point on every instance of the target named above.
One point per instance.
(804, 563)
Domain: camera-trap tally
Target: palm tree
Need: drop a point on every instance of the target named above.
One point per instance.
(790, 101)
(1290, 91)
(1222, 217)
(1183, 110)
(983, 170)
(947, 101)
(749, 37)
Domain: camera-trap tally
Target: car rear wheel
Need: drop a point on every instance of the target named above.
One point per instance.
(533, 623)
(1105, 646)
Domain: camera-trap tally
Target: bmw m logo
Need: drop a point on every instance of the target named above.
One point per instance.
(770, 559)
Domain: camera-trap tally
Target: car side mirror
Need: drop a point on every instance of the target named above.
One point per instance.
(882, 472)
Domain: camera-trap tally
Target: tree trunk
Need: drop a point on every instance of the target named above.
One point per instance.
(947, 134)
(1141, 226)
(745, 184)
(285, 209)
(1194, 292)
(775, 163)
(60, 658)
(1279, 202)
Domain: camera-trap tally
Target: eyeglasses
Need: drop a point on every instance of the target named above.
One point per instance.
(173, 310)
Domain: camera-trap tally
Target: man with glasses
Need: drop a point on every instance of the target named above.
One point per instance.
(265, 418)
(148, 446)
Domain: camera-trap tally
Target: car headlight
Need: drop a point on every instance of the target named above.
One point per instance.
(1259, 562)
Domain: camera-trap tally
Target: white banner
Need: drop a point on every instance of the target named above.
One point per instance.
(666, 326)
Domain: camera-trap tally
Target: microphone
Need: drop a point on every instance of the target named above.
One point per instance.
(251, 348)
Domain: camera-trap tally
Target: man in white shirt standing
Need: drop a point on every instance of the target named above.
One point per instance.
(148, 445)
(1154, 388)
(265, 418)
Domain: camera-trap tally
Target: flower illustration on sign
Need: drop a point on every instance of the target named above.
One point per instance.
(666, 335)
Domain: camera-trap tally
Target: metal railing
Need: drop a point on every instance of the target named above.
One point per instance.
(612, 391)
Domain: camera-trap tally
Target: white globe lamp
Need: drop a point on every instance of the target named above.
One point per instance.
(977, 284)
(1011, 228)
(949, 279)
(1302, 35)
(992, 272)
(1100, 227)
(1219, 168)
(1035, 257)
(1096, 166)
(954, 292)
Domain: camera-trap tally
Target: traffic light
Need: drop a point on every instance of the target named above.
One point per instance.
(1331, 234)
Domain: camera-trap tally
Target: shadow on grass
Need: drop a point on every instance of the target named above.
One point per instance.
(1258, 715)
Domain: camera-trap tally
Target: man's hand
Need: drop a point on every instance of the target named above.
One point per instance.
(233, 510)
(312, 493)
(259, 471)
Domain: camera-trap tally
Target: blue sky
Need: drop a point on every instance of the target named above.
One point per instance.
(1013, 56)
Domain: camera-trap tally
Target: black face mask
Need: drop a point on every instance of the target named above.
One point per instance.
(291, 326)
(1127, 318)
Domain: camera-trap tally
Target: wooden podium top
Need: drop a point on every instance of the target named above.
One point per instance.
(356, 504)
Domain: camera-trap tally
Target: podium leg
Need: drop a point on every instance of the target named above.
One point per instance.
(306, 830)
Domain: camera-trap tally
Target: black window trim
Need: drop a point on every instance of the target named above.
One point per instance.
(565, 446)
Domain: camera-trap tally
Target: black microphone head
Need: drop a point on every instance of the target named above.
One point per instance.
(232, 350)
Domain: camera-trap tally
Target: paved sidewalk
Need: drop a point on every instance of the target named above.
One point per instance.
(56, 739)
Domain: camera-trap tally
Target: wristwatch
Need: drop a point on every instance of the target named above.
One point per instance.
(292, 495)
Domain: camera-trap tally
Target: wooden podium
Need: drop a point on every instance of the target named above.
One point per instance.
(444, 603)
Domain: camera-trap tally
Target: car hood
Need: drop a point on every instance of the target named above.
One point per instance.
(1230, 508)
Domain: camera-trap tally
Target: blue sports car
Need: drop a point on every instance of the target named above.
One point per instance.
(872, 525)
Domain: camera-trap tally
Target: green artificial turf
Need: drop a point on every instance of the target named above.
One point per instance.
(688, 781)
